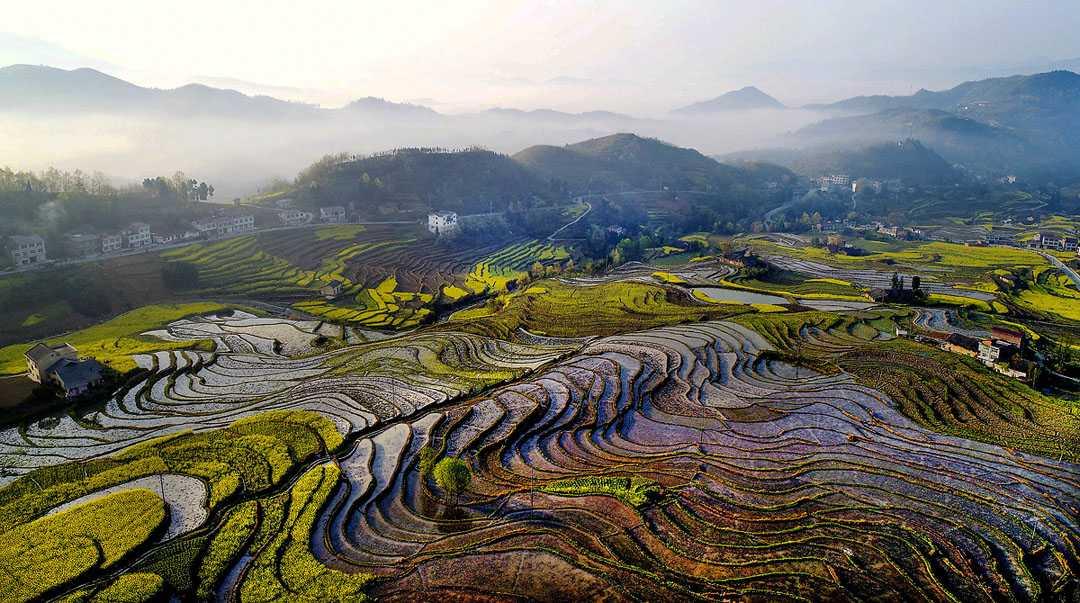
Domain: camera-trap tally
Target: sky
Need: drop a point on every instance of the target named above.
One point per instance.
(632, 56)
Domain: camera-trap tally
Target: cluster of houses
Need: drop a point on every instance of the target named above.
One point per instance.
(29, 250)
(844, 182)
(60, 365)
(136, 236)
(1002, 351)
(1049, 240)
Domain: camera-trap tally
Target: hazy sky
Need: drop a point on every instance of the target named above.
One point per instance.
(634, 56)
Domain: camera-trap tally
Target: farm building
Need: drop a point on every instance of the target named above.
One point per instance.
(26, 250)
(442, 223)
(41, 357)
(332, 289)
(76, 377)
(60, 364)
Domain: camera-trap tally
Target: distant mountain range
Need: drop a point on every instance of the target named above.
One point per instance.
(1027, 125)
(39, 89)
(1021, 123)
(743, 99)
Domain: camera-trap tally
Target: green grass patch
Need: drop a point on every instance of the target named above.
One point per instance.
(115, 341)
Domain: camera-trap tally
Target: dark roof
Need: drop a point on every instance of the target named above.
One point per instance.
(77, 373)
(970, 343)
(334, 283)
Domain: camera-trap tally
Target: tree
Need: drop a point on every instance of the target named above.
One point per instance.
(453, 476)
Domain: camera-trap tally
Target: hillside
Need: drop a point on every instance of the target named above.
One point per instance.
(959, 139)
(909, 160)
(1019, 123)
(737, 100)
(469, 181)
(1003, 98)
(627, 162)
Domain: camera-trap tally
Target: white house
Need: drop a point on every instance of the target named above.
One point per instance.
(137, 235)
(442, 223)
(295, 217)
(224, 225)
(335, 214)
(111, 243)
(829, 181)
(26, 250)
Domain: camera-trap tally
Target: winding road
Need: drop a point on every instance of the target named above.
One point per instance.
(588, 208)
(1069, 272)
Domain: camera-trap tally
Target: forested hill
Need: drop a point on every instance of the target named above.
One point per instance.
(468, 181)
(628, 162)
(909, 160)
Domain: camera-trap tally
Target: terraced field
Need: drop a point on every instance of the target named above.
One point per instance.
(871, 278)
(766, 487)
(357, 387)
(621, 440)
(391, 276)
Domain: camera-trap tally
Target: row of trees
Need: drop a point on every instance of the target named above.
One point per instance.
(179, 187)
(53, 180)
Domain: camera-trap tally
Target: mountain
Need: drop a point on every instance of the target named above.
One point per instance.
(737, 100)
(379, 107)
(622, 162)
(1020, 123)
(985, 100)
(469, 181)
(39, 89)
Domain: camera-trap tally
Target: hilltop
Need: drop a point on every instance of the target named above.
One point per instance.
(467, 181)
(627, 162)
(736, 100)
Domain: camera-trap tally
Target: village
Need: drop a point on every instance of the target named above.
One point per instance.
(27, 252)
